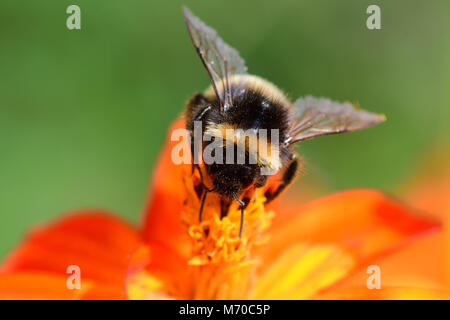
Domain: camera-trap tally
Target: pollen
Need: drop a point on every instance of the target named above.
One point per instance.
(221, 260)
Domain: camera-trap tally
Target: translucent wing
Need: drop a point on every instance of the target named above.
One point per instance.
(321, 116)
(220, 60)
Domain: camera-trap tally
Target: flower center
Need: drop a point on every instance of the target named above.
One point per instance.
(222, 261)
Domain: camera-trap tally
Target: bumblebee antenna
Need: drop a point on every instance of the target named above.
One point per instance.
(241, 204)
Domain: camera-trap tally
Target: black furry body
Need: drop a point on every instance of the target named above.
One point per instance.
(237, 100)
(252, 108)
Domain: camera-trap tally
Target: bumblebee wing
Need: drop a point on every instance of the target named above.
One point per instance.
(321, 116)
(220, 60)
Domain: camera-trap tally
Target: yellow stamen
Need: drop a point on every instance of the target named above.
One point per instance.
(222, 262)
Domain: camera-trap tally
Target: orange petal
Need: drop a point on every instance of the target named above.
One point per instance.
(156, 272)
(29, 285)
(49, 286)
(301, 271)
(429, 188)
(98, 243)
(365, 221)
(162, 220)
(390, 293)
(418, 263)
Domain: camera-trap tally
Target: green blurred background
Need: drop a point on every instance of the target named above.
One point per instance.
(83, 113)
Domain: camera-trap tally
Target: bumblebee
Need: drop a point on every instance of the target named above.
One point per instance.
(237, 101)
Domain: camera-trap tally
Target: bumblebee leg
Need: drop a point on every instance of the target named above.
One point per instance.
(193, 158)
(242, 222)
(194, 155)
(205, 192)
(201, 180)
(202, 202)
(242, 206)
(198, 98)
(288, 176)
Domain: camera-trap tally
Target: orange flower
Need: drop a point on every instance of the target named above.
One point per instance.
(322, 251)
(429, 189)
